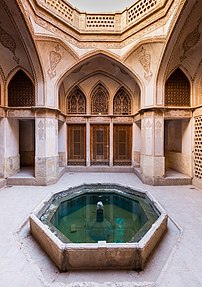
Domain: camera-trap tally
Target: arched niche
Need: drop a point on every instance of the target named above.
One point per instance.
(99, 100)
(76, 102)
(122, 103)
(21, 91)
(177, 89)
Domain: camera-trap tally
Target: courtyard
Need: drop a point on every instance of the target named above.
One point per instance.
(176, 261)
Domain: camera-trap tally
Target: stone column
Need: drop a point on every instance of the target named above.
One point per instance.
(136, 144)
(88, 143)
(46, 156)
(62, 143)
(9, 147)
(152, 148)
(2, 148)
(111, 142)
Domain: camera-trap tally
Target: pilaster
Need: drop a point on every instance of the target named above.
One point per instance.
(88, 143)
(46, 159)
(62, 143)
(152, 152)
(9, 147)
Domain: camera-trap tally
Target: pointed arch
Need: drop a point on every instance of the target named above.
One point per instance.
(76, 102)
(99, 100)
(177, 89)
(21, 91)
(122, 103)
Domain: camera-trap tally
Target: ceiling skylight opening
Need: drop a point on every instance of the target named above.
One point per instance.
(101, 6)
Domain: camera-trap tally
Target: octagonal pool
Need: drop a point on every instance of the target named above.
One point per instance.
(99, 227)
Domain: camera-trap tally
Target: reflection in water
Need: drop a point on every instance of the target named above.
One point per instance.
(110, 217)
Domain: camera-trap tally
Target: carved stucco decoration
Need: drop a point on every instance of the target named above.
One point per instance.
(76, 120)
(191, 40)
(20, 113)
(145, 61)
(178, 114)
(123, 120)
(54, 58)
(8, 42)
(135, 36)
(41, 130)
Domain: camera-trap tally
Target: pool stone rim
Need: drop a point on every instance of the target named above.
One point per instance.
(101, 255)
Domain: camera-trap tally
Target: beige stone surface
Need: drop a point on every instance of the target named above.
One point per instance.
(176, 262)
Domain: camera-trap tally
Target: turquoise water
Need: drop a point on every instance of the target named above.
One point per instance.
(124, 218)
(119, 225)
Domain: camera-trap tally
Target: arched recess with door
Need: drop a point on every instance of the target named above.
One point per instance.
(100, 112)
(21, 95)
(177, 130)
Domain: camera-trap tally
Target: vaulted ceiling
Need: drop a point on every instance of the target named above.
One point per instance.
(17, 49)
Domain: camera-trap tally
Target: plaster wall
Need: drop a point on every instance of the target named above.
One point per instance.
(144, 62)
(179, 147)
(55, 61)
(12, 147)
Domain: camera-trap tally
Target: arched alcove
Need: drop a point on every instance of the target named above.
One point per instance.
(177, 89)
(21, 91)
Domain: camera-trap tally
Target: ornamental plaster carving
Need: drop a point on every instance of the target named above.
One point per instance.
(134, 14)
(158, 125)
(50, 124)
(41, 130)
(132, 37)
(99, 119)
(148, 124)
(145, 61)
(123, 120)
(76, 120)
(8, 42)
(191, 40)
(20, 113)
(159, 133)
(178, 114)
(54, 58)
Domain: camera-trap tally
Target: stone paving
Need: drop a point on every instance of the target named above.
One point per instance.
(177, 261)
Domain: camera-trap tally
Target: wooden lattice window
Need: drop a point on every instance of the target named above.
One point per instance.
(76, 102)
(177, 89)
(122, 144)
(198, 148)
(76, 145)
(99, 100)
(21, 91)
(122, 103)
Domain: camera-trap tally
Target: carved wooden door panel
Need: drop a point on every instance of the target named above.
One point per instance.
(76, 145)
(100, 145)
(122, 144)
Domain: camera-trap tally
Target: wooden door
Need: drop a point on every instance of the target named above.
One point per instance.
(100, 145)
(122, 144)
(76, 145)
